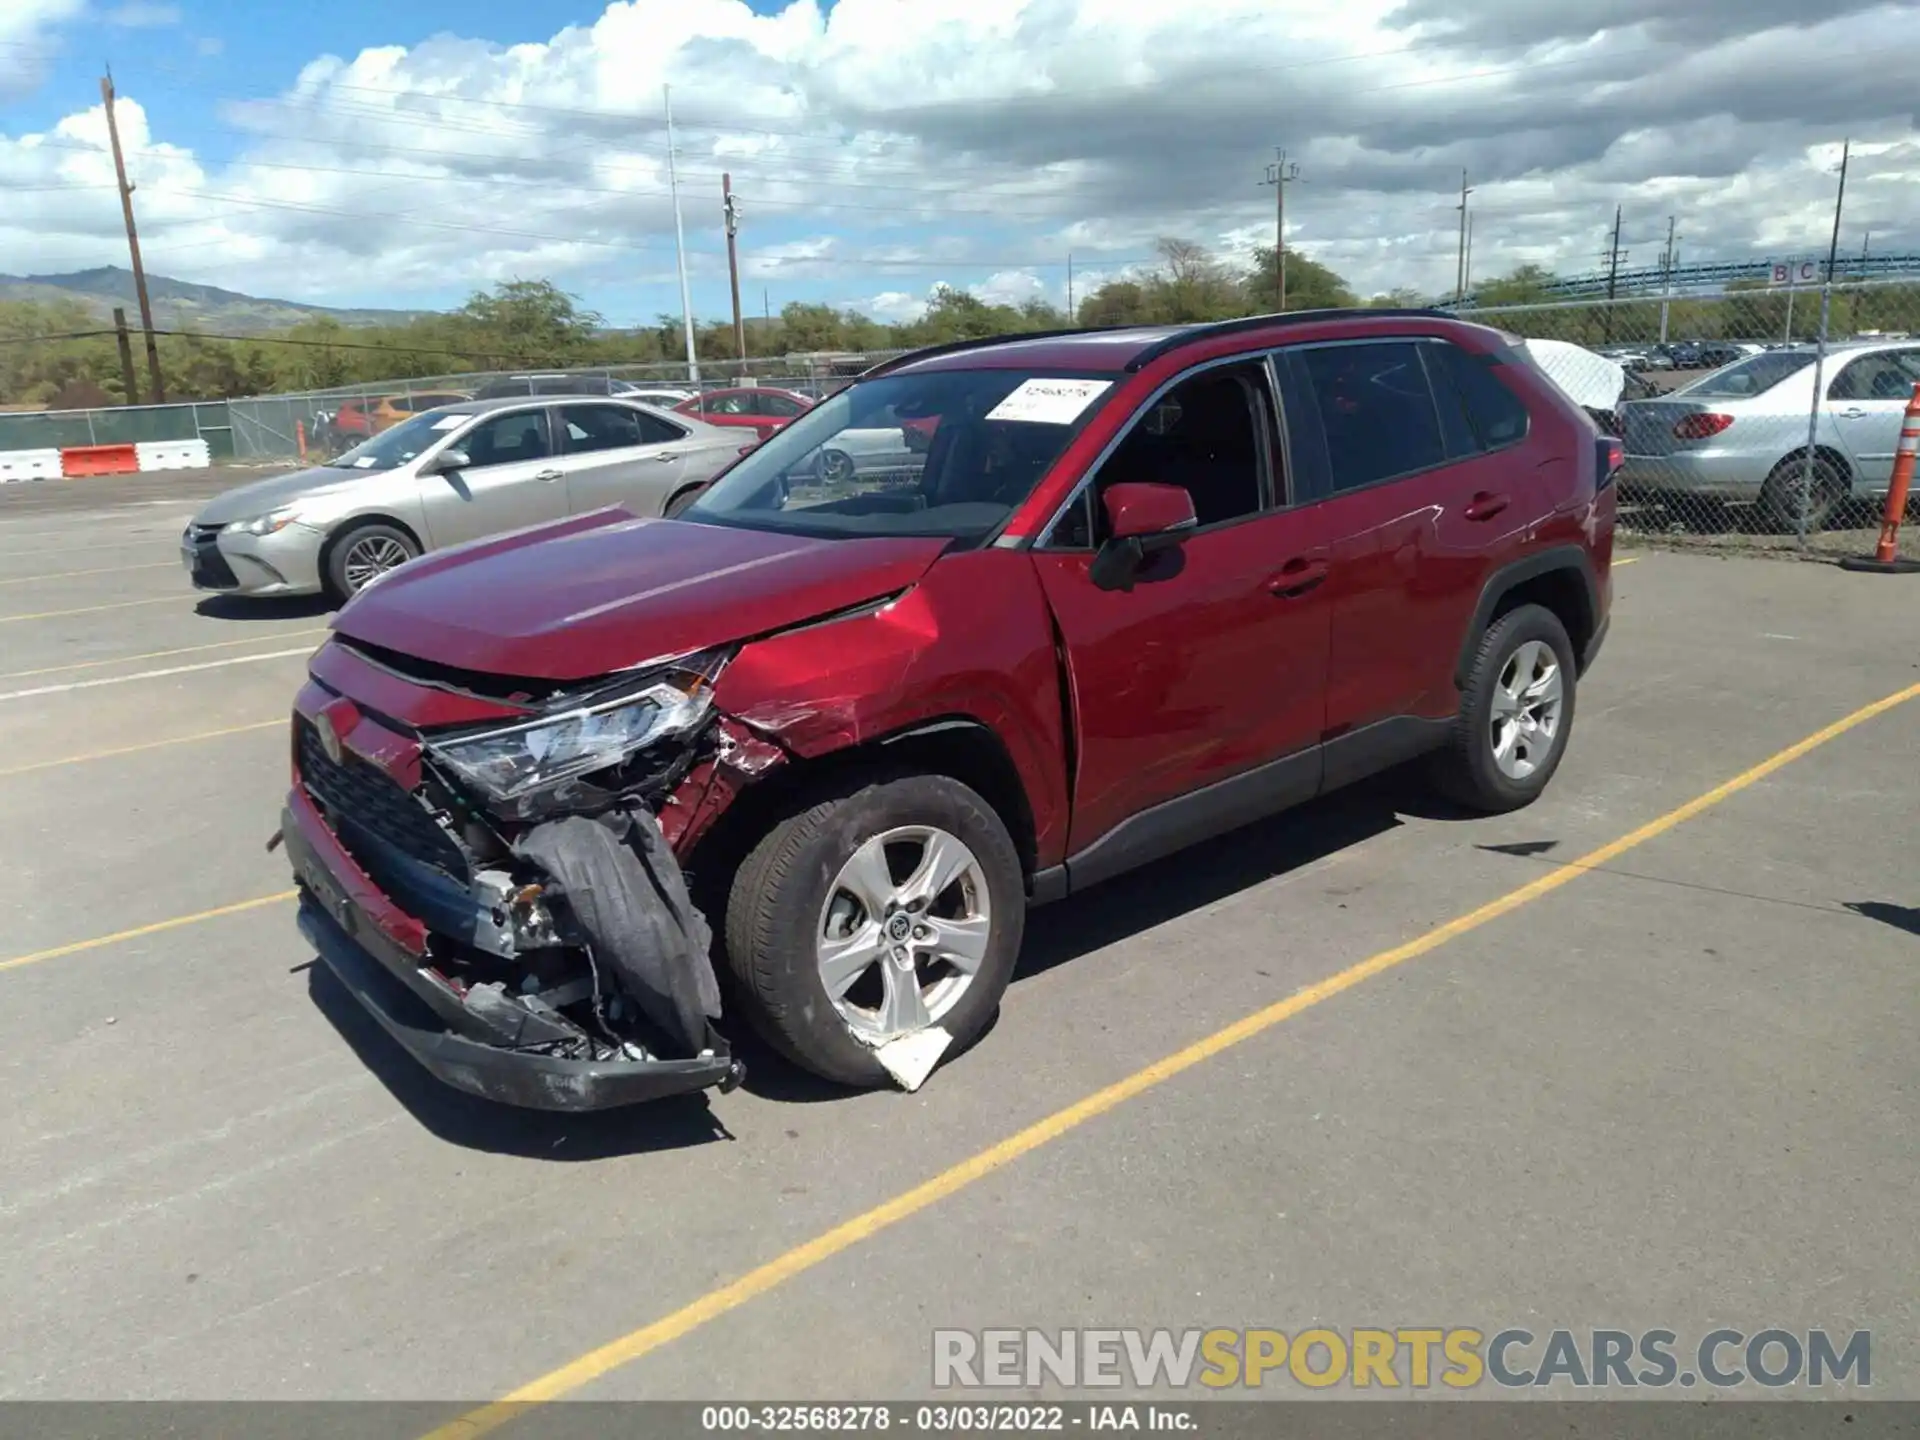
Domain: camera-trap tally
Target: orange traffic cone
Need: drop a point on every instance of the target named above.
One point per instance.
(1885, 559)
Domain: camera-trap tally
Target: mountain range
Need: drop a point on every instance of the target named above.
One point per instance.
(181, 304)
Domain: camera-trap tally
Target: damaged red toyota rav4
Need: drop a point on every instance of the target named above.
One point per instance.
(818, 743)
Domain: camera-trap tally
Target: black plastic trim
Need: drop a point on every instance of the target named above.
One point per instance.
(1531, 567)
(1198, 815)
(1382, 745)
(419, 1016)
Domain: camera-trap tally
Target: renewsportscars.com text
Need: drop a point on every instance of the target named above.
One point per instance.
(1415, 1358)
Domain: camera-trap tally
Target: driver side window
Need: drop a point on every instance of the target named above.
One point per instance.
(1213, 434)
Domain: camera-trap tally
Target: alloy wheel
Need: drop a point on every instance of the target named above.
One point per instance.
(903, 931)
(1527, 704)
(371, 557)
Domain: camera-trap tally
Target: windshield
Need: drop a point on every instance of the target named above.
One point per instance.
(394, 447)
(949, 453)
(1751, 376)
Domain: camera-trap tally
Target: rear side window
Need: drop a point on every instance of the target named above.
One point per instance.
(771, 404)
(1375, 408)
(1496, 416)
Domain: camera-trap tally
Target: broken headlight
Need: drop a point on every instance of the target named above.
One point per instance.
(512, 766)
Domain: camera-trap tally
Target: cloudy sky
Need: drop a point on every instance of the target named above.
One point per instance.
(363, 152)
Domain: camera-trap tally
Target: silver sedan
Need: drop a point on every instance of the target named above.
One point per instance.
(443, 478)
(1741, 433)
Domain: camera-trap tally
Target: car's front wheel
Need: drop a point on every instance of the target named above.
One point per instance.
(873, 914)
(1515, 716)
(363, 554)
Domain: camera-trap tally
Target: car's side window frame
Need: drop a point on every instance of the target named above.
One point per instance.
(1274, 470)
(1445, 461)
(564, 438)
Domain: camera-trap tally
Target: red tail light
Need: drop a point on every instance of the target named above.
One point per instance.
(1700, 427)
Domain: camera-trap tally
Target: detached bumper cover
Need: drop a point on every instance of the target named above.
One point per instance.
(356, 936)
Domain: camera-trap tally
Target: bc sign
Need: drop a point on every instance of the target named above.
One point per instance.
(1796, 272)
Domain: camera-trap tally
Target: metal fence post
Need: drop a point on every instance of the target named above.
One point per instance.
(92, 438)
(1813, 415)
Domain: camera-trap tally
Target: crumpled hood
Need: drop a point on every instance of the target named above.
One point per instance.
(604, 592)
(245, 502)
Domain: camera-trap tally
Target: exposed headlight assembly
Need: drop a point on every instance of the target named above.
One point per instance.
(516, 768)
(271, 523)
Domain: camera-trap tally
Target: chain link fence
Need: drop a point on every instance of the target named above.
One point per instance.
(1751, 418)
(322, 422)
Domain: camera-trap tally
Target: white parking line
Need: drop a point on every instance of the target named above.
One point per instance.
(75, 574)
(152, 674)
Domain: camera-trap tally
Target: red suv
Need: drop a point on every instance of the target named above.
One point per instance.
(1144, 586)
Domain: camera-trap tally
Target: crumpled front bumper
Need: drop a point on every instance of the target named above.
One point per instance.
(379, 955)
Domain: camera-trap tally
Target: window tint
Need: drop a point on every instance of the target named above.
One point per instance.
(771, 404)
(1888, 376)
(1752, 376)
(1456, 427)
(737, 403)
(600, 427)
(1210, 434)
(508, 439)
(1496, 414)
(1375, 409)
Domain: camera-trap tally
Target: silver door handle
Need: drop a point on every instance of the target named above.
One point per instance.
(549, 475)
(1853, 414)
(666, 457)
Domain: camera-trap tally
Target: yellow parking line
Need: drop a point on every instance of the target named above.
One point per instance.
(1630, 560)
(91, 609)
(715, 1303)
(101, 941)
(76, 574)
(136, 749)
(161, 654)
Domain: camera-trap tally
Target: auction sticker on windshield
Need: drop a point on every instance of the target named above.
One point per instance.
(1048, 402)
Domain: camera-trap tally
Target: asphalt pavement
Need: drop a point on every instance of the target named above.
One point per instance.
(1665, 1081)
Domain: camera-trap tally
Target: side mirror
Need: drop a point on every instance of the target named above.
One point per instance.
(1142, 520)
(448, 461)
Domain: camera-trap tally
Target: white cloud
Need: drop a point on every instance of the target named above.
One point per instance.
(26, 40)
(881, 144)
(142, 15)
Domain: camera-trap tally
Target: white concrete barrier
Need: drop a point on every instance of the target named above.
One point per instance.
(29, 465)
(173, 454)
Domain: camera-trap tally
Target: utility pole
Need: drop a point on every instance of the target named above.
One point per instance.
(1466, 265)
(732, 212)
(680, 242)
(1280, 175)
(1668, 258)
(159, 393)
(127, 381)
(1614, 252)
(1460, 260)
(1820, 346)
(1072, 314)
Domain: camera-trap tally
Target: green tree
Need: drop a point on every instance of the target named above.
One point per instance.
(1310, 285)
(535, 319)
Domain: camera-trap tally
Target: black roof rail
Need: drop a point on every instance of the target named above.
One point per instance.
(1195, 333)
(954, 347)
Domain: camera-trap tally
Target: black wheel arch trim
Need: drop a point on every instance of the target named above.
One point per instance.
(1519, 572)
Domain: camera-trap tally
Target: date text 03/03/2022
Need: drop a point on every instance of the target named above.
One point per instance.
(946, 1419)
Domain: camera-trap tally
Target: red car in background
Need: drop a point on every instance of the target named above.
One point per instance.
(762, 408)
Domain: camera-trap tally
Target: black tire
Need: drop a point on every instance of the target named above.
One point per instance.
(340, 551)
(1465, 770)
(1825, 492)
(779, 891)
(681, 499)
